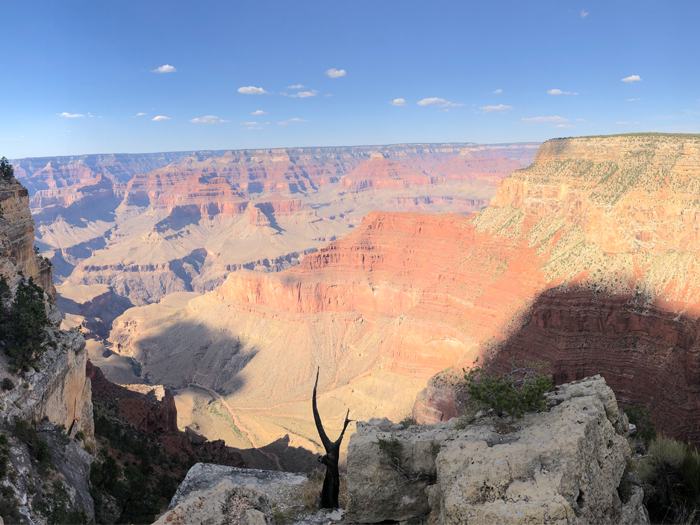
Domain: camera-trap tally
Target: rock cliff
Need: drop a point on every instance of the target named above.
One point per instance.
(560, 466)
(585, 259)
(52, 399)
(150, 225)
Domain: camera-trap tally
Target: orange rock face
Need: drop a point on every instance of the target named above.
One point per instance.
(586, 259)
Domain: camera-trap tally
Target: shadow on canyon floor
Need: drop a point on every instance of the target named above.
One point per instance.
(292, 459)
(192, 353)
(647, 351)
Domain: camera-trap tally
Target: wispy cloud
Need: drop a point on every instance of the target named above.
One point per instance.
(440, 101)
(580, 120)
(297, 86)
(304, 94)
(258, 112)
(626, 123)
(285, 122)
(70, 115)
(335, 73)
(632, 78)
(159, 118)
(398, 102)
(500, 107)
(546, 119)
(164, 69)
(208, 119)
(633, 99)
(564, 126)
(328, 95)
(254, 125)
(584, 14)
(560, 92)
(139, 115)
(252, 90)
(498, 92)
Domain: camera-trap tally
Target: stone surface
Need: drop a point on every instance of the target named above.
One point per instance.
(221, 495)
(559, 466)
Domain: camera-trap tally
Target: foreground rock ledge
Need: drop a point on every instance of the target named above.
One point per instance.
(559, 466)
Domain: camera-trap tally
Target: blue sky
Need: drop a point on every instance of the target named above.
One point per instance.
(100, 60)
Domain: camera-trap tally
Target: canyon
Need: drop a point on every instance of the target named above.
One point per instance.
(585, 259)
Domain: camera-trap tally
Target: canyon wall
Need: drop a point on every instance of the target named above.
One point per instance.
(612, 219)
(151, 225)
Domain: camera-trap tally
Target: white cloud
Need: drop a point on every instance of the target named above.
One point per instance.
(335, 73)
(564, 126)
(584, 14)
(623, 123)
(283, 94)
(258, 112)
(305, 94)
(398, 102)
(430, 101)
(500, 107)
(560, 92)
(546, 119)
(498, 91)
(208, 119)
(298, 86)
(285, 122)
(251, 124)
(328, 95)
(70, 115)
(581, 120)
(633, 99)
(140, 114)
(441, 101)
(164, 69)
(159, 118)
(252, 90)
(632, 78)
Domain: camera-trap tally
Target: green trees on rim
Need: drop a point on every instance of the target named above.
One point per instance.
(23, 321)
(7, 172)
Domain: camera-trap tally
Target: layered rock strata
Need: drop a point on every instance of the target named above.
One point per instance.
(560, 466)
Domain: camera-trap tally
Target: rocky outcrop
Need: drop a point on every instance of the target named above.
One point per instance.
(559, 466)
(215, 494)
(148, 408)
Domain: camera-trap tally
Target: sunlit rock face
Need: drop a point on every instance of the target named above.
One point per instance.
(151, 225)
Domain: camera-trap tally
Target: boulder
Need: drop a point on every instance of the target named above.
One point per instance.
(563, 465)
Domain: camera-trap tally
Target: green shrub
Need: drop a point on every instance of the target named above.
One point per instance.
(80, 435)
(55, 505)
(670, 476)
(407, 421)
(8, 384)
(7, 172)
(646, 429)
(521, 390)
(9, 506)
(23, 322)
(4, 456)
(38, 449)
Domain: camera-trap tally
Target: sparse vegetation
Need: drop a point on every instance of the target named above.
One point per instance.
(4, 456)
(670, 476)
(23, 322)
(38, 449)
(520, 390)
(9, 506)
(407, 421)
(646, 429)
(55, 505)
(8, 384)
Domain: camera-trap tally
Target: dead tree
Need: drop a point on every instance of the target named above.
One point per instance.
(331, 483)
